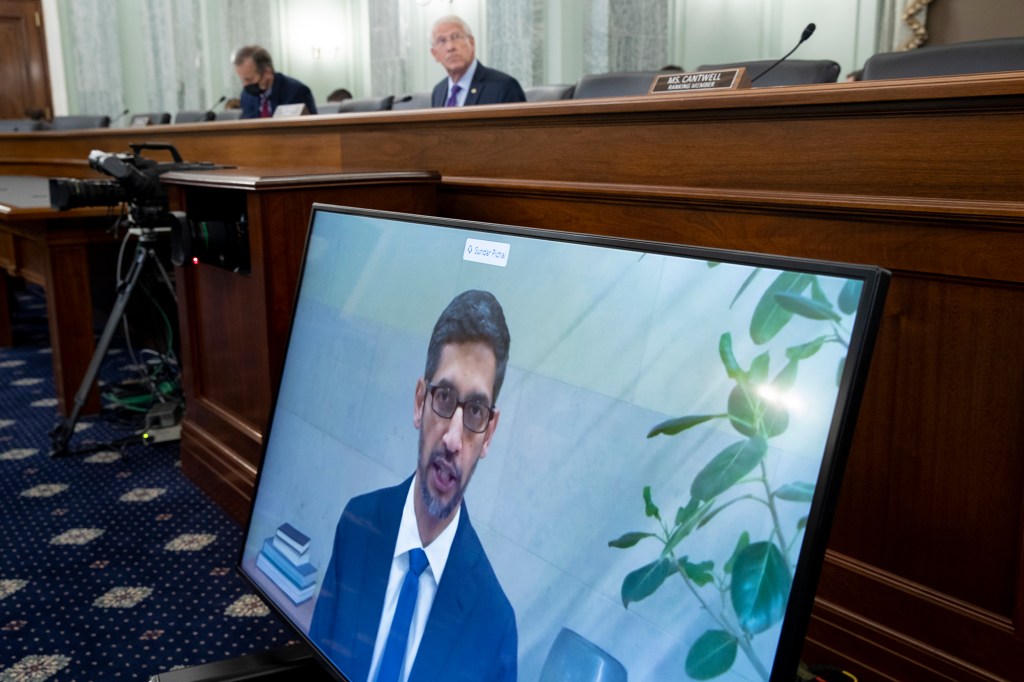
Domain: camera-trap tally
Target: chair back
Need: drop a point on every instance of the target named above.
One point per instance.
(549, 93)
(18, 125)
(413, 100)
(229, 115)
(975, 56)
(328, 107)
(194, 116)
(615, 84)
(789, 72)
(365, 104)
(151, 118)
(79, 122)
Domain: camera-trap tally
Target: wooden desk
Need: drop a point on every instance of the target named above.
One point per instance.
(234, 326)
(924, 577)
(52, 249)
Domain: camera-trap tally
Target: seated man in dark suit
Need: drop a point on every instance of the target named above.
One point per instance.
(469, 82)
(263, 90)
(413, 544)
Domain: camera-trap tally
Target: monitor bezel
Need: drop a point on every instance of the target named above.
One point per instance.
(849, 398)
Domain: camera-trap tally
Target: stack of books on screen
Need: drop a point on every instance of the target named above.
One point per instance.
(285, 560)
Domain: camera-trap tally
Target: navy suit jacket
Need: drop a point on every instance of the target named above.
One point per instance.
(471, 631)
(489, 86)
(286, 90)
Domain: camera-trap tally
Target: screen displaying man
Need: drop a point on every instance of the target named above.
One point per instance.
(264, 89)
(469, 82)
(374, 617)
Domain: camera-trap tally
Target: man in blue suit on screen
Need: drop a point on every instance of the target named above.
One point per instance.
(409, 594)
(469, 82)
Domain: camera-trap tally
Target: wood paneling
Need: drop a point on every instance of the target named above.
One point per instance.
(924, 574)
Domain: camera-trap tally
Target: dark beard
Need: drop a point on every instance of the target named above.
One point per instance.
(434, 506)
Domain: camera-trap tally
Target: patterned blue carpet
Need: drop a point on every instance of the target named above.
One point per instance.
(113, 565)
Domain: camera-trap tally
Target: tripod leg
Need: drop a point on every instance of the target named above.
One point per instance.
(163, 274)
(65, 428)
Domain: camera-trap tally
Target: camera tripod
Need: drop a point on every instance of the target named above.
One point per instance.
(144, 254)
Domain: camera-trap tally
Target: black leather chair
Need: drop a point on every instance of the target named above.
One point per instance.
(328, 107)
(18, 125)
(365, 104)
(194, 116)
(155, 118)
(229, 115)
(976, 56)
(615, 84)
(549, 93)
(79, 122)
(789, 72)
(414, 100)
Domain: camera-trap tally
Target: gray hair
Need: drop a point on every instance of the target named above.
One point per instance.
(450, 19)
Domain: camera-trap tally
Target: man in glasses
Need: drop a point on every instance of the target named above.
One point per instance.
(409, 593)
(469, 82)
(264, 89)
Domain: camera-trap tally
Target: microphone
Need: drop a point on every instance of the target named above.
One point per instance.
(216, 104)
(407, 98)
(119, 117)
(808, 32)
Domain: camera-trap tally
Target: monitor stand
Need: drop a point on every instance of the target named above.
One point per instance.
(293, 662)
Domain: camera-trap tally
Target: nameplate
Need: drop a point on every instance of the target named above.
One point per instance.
(290, 110)
(723, 79)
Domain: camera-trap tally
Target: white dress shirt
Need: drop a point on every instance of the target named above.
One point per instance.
(464, 83)
(437, 556)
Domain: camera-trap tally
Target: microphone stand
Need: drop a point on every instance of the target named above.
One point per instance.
(806, 34)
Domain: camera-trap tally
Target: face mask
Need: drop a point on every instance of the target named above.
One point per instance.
(254, 89)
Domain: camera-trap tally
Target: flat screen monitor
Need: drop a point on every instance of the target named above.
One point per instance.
(501, 453)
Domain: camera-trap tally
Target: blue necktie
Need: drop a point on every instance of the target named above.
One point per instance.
(453, 99)
(394, 650)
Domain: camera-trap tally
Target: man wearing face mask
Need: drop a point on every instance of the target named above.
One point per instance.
(263, 90)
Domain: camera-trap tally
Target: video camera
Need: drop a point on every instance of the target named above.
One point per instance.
(137, 184)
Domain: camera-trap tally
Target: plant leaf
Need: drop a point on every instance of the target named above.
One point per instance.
(759, 368)
(817, 293)
(839, 371)
(743, 287)
(849, 296)
(711, 655)
(629, 539)
(785, 379)
(701, 574)
(768, 316)
(671, 427)
(732, 368)
(686, 514)
(728, 467)
(806, 350)
(643, 582)
(801, 523)
(752, 416)
(806, 307)
(686, 520)
(649, 507)
(741, 544)
(760, 587)
(796, 492)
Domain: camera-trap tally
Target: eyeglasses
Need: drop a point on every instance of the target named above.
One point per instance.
(445, 400)
(441, 41)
